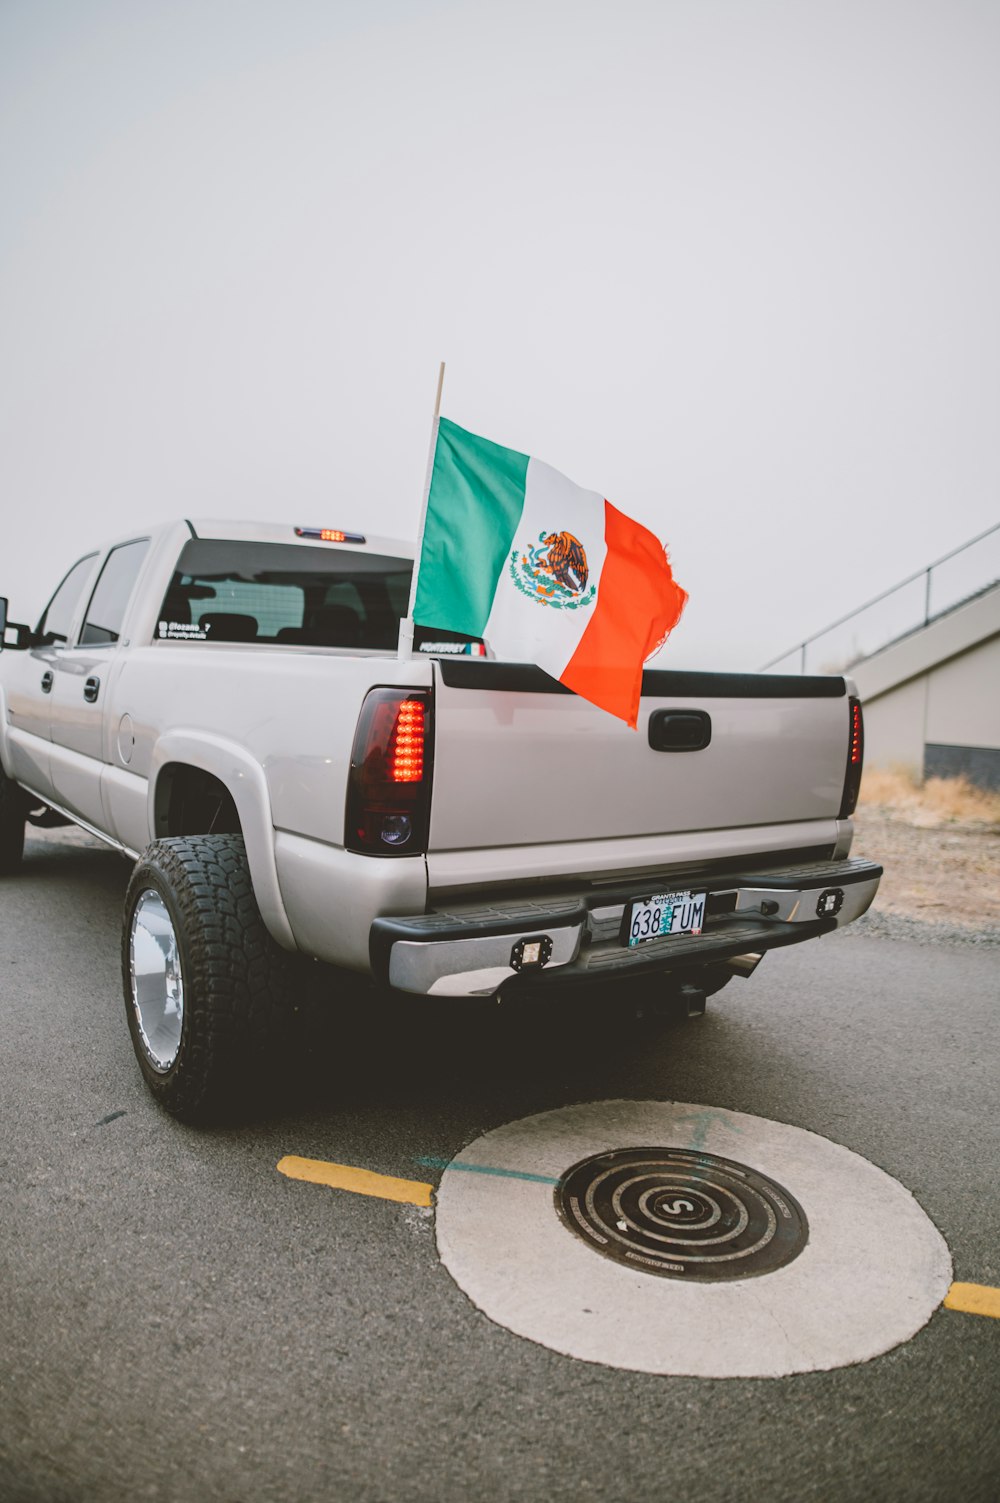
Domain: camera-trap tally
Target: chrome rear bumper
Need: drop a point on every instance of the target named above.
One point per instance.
(473, 952)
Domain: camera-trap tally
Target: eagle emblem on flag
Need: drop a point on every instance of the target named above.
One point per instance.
(553, 572)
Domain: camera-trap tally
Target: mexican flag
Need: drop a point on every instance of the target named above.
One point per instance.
(543, 571)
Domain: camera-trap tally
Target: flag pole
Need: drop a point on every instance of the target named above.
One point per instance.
(406, 625)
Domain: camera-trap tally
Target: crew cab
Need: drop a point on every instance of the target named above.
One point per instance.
(226, 706)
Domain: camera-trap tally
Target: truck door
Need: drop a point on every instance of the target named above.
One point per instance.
(31, 676)
(83, 676)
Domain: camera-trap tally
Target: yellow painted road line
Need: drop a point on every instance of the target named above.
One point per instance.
(360, 1181)
(971, 1299)
(974, 1299)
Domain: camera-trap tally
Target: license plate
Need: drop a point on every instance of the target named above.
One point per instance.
(667, 913)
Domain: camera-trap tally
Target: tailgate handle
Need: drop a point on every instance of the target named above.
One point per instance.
(679, 730)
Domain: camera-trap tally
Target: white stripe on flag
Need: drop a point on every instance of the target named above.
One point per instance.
(521, 629)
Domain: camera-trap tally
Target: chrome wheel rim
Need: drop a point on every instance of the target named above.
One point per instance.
(157, 981)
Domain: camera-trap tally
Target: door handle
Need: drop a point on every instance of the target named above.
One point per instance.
(47, 681)
(91, 689)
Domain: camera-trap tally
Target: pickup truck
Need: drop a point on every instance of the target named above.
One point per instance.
(226, 706)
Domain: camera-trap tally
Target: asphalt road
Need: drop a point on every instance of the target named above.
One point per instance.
(180, 1321)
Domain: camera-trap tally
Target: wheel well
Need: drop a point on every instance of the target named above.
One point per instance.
(190, 801)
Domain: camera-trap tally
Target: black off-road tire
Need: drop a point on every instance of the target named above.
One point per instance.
(13, 813)
(236, 979)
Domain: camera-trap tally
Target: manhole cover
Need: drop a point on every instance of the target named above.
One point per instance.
(872, 1273)
(681, 1214)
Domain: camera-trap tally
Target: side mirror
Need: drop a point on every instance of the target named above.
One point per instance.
(22, 640)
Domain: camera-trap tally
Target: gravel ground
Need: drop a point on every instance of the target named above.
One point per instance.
(877, 925)
(941, 885)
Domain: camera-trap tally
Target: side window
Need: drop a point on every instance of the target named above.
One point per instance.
(106, 611)
(58, 617)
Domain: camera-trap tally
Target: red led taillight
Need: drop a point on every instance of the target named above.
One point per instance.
(855, 759)
(388, 789)
(857, 734)
(407, 762)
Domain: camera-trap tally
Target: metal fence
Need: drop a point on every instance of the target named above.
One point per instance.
(908, 606)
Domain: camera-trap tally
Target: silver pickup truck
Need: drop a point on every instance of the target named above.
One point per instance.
(224, 704)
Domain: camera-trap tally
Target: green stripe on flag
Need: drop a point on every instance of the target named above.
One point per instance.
(475, 503)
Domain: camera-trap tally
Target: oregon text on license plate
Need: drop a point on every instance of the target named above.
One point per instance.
(667, 913)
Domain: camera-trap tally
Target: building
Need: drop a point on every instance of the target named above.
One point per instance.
(932, 698)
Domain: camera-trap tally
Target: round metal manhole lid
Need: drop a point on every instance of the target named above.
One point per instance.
(681, 1214)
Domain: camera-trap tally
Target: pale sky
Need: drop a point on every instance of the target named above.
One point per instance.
(733, 263)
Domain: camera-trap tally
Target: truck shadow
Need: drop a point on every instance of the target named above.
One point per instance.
(358, 1048)
(78, 873)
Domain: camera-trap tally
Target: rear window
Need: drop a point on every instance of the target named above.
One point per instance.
(277, 592)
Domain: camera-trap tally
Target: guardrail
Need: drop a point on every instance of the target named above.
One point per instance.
(907, 607)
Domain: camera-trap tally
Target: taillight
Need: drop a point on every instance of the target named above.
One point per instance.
(409, 736)
(855, 759)
(388, 788)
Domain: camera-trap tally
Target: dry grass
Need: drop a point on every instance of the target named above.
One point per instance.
(935, 804)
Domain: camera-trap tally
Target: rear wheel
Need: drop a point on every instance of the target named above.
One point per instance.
(205, 984)
(13, 812)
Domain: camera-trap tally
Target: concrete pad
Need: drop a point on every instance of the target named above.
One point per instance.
(872, 1272)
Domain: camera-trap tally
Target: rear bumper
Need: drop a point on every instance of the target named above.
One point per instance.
(470, 952)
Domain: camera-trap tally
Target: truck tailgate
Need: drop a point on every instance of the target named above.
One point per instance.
(519, 761)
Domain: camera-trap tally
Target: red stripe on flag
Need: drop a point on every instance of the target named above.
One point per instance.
(638, 604)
